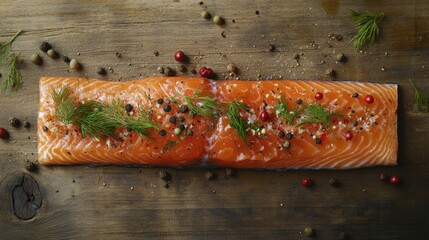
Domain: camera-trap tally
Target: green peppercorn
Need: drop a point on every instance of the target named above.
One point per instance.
(177, 131)
(52, 54)
(190, 132)
(36, 59)
(218, 20)
(74, 64)
(308, 231)
(286, 144)
(205, 15)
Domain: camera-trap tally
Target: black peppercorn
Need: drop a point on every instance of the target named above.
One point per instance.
(182, 119)
(45, 129)
(160, 101)
(26, 124)
(30, 166)
(128, 108)
(169, 71)
(102, 71)
(167, 108)
(162, 132)
(355, 123)
(299, 101)
(192, 114)
(318, 141)
(334, 182)
(164, 175)
(183, 109)
(289, 136)
(190, 132)
(355, 95)
(66, 59)
(281, 134)
(14, 122)
(210, 175)
(173, 119)
(229, 172)
(45, 46)
(181, 127)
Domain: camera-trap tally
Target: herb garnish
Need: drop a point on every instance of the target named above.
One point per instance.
(317, 114)
(168, 146)
(283, 111)
(98, 119)
(236, 120)
(203, 105)
(420, 99)
(13, 77)
(367, 23)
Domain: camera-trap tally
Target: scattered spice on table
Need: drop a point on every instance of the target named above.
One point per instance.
(394, 180)
(101, 71)
(218, 20)
(164, 175)
(229, 172)
(30, 166)
(330, 72)
(4, 134)
(306, 182)
(36, 59)
(181, 68)
(160, 70)
(210, 175)
(341, 58)
(14, 122)
(334, 182)
(308, 232)
(179, 56)
(74, 64)
(66, 59)
(168, 71)
(271, 47)
(45, 46)
(232, 69)
(26, 124)
(52, 54)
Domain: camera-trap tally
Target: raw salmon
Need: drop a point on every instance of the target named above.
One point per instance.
(358, 132)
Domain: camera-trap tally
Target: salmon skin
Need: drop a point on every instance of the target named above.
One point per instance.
(241, 124)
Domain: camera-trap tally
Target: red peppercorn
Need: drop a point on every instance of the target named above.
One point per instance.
(349, 135)
(394, 180)
(323, 136)
(369, 99)
(179, 56)
(306, 182)
(3, 133)
(205, 72)
(264, 116)
(384, 177)
(318, 96)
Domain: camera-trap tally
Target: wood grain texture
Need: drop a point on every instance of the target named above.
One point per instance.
(76, 203)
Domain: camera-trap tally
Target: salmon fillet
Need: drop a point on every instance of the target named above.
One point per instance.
(355, 134)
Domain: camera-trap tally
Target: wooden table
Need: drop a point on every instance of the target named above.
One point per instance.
(80, 202)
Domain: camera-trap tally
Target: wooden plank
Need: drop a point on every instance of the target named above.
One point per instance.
(254, 204)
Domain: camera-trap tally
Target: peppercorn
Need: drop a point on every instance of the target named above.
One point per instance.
(164, 175)
(394, 180)
(160, 101)
(299, 101)
(192, 114)
(177, 131)
(193, 71)
(257, 12)
(182, 119)
(369, 99)
(210, 175)
(14, 122)
(205, 72)
(271, 47)
(341, 57)
(179, 56)
(36, 59)
(349, 135)
(173, 119)
(66, 59)
(334, 182)
(308, 231)
(190, 132)
(45, 46)
(156, 53)
(45, 129)
(318, 96)
(330, 72)
(160, 70)
(355, 95)
(318, 141)
(281, 134)
(128, 107)
(306, 182)
(355, 123)
(289, 136)
(232, 69)
(74, 64)
(52, 54)
(264, 116)
(102, 71)
(182, 68)
(26, 124)
(181, 127)
(218, 20)
(169, 71)
(3, 133)
(296, 56)
(30, 166)
(162, 132)
(383, 177)
(286, 144)
(183, 109)
(205, 15)
(167, 108)
(343, 236)
(229, 172)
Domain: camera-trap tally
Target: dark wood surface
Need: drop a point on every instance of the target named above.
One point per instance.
(80, 202)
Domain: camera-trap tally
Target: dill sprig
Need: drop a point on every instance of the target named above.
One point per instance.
(288, 116)
(420, 99)
(317, 114)
(13, 77)
(97, 119)
(367, 24)
(200, 104)
(168, 146)
(236, 120)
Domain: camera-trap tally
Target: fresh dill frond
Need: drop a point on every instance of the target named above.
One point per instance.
(368, 30)
(420, 99)
(200, 104)
(168, 146)
(99, 123)
(140, 124)
(288, 116)
(13, 77)
(236, 120)
(317, 114)
(65, 106)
